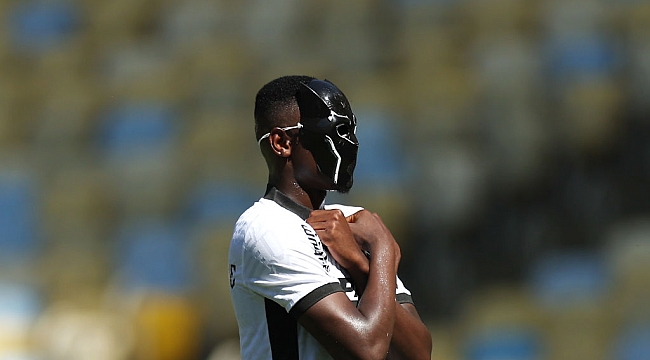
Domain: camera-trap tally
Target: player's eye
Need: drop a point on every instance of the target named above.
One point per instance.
(343, 130)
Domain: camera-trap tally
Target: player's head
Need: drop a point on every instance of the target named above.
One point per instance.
(275, 103)
(329, 131)
(325, 119)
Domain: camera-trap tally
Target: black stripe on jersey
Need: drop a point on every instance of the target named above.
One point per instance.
(283, 332)
(313, 297)
(283, 200)
(404, 298)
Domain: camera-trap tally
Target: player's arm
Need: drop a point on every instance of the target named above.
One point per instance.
(364, 331)
(411, 338)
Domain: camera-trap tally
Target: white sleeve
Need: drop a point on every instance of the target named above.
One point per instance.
(288, 265)
(345, 209)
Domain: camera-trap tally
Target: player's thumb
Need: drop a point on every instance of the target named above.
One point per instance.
(353, 218)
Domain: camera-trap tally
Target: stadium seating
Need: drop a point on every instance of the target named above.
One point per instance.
(37, 26)
(20, 237)
(505, 143)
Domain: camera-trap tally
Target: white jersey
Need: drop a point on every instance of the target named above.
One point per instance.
(278, 269)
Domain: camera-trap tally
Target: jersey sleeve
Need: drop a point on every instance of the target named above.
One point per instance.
(402, 294)
(289, 266)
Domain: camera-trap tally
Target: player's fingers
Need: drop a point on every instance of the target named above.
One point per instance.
(319, 212)
(325, 236)
(326, 224)
(317, 222)
(360, 215)
(317, 215)
(327, 214)
(319, 225)
(318, 219)
(323, 223)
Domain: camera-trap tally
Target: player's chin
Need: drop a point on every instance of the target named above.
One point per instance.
(330, 185)
(343, 189)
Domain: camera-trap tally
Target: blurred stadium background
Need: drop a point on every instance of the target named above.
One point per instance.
(505, 142)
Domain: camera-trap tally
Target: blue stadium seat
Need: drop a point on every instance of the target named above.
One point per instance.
(214, 202)
(504, 343)
(633, 343)
(154, 255)
(137, 127)
(568, 279)
(381, 159)
(39, 26)
(18, 217)
(578, 58)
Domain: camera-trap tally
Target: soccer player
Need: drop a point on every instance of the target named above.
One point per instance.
(309, 280)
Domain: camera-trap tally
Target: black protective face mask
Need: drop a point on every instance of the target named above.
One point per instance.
(329, 131)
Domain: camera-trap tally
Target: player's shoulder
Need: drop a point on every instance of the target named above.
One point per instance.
(347, 210)
(264, 213)
(266, 221)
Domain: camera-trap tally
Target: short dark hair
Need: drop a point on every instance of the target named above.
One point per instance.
(274, 99)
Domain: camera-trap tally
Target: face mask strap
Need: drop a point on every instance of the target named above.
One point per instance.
(259, 142)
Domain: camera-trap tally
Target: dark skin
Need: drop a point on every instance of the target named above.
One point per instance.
(378, 327)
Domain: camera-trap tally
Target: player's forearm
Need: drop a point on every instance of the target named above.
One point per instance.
(377, 303)
(359, 273)
(411, 338)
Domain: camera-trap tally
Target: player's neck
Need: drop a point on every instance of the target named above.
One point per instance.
(310, 199)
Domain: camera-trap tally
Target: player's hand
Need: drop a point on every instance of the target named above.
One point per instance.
(369, 231)
(334, 231)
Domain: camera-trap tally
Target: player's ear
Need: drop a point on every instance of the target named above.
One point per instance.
(280, 142)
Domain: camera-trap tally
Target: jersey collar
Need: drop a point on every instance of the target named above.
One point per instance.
(283, 200)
